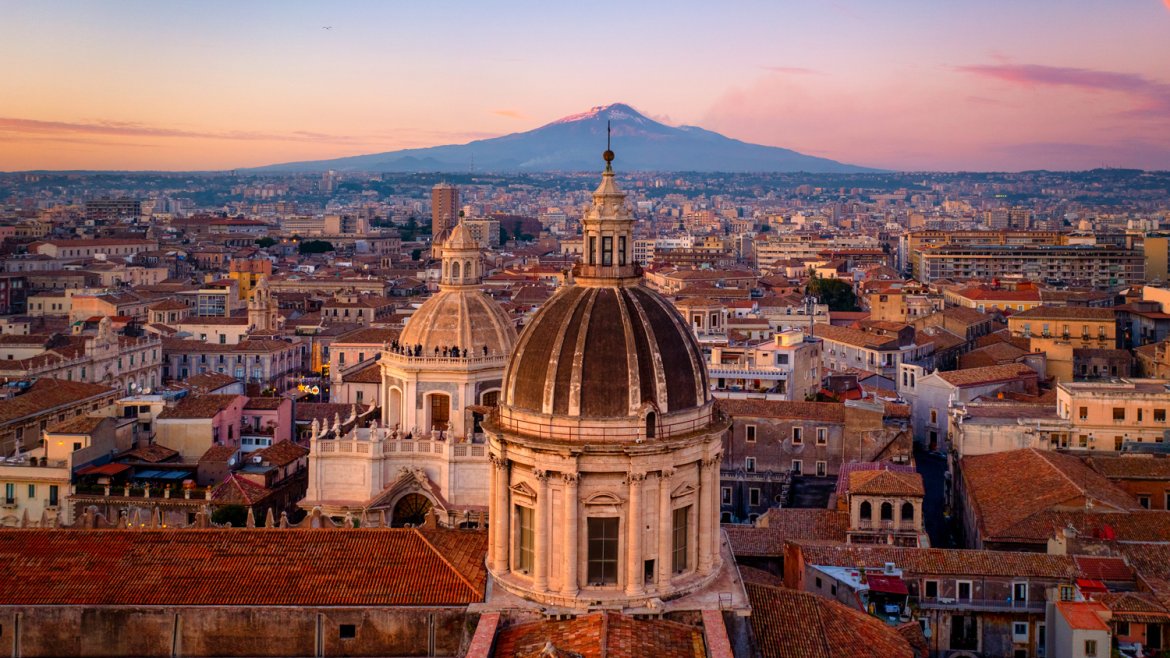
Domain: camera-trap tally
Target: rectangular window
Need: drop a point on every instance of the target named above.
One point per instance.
(963, 590)
(1090, 648)
(822, 469)
(726, 495)
(1159, 415)
(750, 432)
(1084, 413)
(753, 497)
(592, 250)
(797, 466)
(54, 493)
(681, 518)
(525, 517)
(32, 491)
(822, 436)
(1144, 501)
(1067, 593)
(1019, 592)
(749, 464)
(607, 250)
(347, 631)
(797, 435)
(930, 589)
(1118, 413)
(603, 551)
(621, 250)
(1019, 631)
(9, 493)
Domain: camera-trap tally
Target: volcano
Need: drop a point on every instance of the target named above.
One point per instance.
(575, 142)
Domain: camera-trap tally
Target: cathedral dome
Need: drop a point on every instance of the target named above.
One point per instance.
(460, 317)
(606, 358)
(606, 352)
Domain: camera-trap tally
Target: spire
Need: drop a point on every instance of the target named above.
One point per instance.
(608, 228)
(461, 258)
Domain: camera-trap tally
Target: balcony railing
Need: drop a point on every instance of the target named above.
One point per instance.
(979, 605)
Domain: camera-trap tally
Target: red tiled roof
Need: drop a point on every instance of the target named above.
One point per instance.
(1083, 615)
(310, 567)
(988, 375)
(833, 412)
(777, 526)
(1104, 568)
(938, 561)
(886, 483)
(1007, 488)
(281, 453)
(46, 394)
(152, 453)
(792, 624)
(200, 406)
(602, 635)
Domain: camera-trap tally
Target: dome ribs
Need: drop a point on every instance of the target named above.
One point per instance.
(564, 361)
(647, 374)
(536, 351)
(675, 348)
(605, 376)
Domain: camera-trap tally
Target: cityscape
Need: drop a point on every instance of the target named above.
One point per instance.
(355, 343)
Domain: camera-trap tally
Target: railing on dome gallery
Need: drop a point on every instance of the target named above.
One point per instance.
(420, 447)
(603, 430)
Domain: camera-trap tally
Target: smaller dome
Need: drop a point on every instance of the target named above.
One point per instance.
(463, 318)
(460, 238)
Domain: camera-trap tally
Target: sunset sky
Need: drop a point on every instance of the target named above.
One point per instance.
(974, 85)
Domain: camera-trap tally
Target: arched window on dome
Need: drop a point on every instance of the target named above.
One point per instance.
(866, 511)
(455, 271)
(467, 269)
(887, 511)
(908, 512)
(651, 425)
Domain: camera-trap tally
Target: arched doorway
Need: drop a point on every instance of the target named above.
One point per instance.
(411, 509)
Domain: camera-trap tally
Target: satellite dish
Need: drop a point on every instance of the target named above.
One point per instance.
(232, 461)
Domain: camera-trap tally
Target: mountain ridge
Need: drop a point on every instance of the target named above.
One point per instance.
(574, 143)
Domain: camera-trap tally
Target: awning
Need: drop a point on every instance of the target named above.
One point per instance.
(162, 475)
(1088, 585)
(104, 469)
(886, 584)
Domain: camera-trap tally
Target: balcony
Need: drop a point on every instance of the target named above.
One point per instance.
(980, 605)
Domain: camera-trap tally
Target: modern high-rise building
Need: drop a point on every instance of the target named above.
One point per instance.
(444, 208)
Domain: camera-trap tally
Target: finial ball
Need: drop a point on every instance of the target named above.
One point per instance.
(608, 155)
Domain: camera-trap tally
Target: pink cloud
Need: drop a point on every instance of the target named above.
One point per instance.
(18, 126)
(798, 70)
(510, 114)
(1152, 97)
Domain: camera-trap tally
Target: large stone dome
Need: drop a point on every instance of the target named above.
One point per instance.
(461, 317)
(604, 353)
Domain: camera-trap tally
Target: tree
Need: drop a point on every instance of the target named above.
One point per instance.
(315, 247)
(835, 293)
(415, 254)
(265, 242)
(237, 515)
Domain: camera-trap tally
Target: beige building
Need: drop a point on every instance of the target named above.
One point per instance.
(1107, 415)
(1058, 331)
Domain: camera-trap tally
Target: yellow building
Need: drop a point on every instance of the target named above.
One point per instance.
(1058, 331)
(1105, 415)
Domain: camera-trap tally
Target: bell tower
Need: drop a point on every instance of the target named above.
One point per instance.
(262, 311)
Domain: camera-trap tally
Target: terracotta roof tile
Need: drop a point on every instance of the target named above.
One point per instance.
(939, 561)
(46, 394)
(885, 483)
(1132, 467)
(200, 406)
(310, 567)
(1007, 488)
(813, 411)
(281, 453)
(152, 453)
(777, 526)
(988, 375)
(602, 635)
(792, 624)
